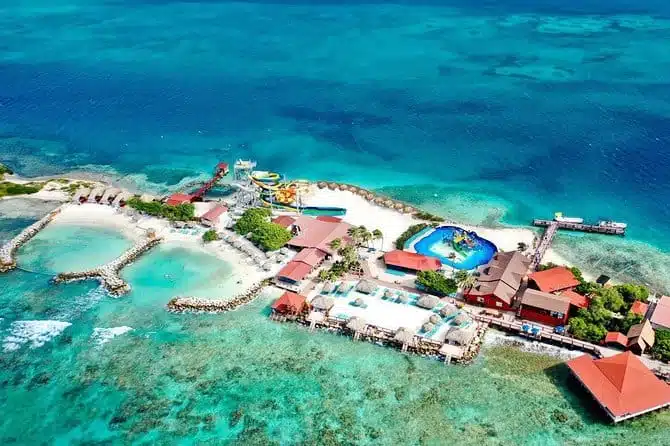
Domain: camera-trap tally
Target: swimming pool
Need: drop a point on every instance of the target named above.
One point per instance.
(469, 250)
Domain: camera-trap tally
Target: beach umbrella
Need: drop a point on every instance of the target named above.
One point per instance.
(369, 196)
(378, 200)
(327, 287)
(461, 336)
(462, 318)
(403, 298)
(388, 202)
(428, 302)
(332, 186)
(321, 184)
(448, 310)
(434, 319)
(361, 192)
(388, 294)
(342, 187)
(322, 303)
(410, 209)
(366, 287)
(399, 205)
(405, 337)
(426, 327)
(359, 302)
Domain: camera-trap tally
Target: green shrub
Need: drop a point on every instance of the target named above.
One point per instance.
(428, 217)
(409, 232)
(269, 236)
(4, 170)
(180, 212)
(661, 348)
(435, 283)
(210, 236)
(7, 188)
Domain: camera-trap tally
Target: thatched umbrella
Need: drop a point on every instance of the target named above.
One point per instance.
(398, 205)
(388, 294)
(434, 319)
(448, 310)
(378, 200)
(321, 184)
(462, 318)
(410, 209)
(460, 336)
(359, 302)
(405, 337)
(388, 203)
(366, 287)
(403, 298)
(332, 186)
(354, 189)
(369, 196)
(362, 192)
(357, 325)
(428, 302)
(322, 303)
(427, 327)
(343, 187)
(328, 287)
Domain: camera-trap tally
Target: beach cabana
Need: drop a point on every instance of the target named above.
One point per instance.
(428, 302)
(322, 303)
(357, 325)
(462, 318)
(434, 319)
(460, 335)
(447, 310)
(366, 287)
(404, 337)
(321, 184)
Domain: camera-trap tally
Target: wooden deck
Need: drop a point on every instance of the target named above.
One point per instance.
(580, 227)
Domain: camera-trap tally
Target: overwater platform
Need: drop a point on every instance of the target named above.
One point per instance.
(581, 227)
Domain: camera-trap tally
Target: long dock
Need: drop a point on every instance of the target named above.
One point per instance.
(8, 250)
(108, 274)
(597, 229)
(549, 337)
(200, 305)
(544, 244)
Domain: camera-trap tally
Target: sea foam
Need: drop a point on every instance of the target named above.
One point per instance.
(102, 336)
(33, 333)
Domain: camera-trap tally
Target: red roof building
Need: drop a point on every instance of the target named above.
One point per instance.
(411, 261)
(622, 385)
(289, 303)
(311, 256)
(545, 308)
(554, 279)
(299, 267)
(616, 339)
(313, 233)
(660, 318)
(499, 281)
(639, 307)
(576, 299)
(284, 220)
(211, 217)
(178, 198)
(329, 218)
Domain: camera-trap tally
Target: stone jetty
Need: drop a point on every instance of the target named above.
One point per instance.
(108, 274)
(199, 305)
(8, 250)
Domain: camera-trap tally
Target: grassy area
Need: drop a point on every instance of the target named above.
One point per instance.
(4, 170)
(10, 189)
(181, 212)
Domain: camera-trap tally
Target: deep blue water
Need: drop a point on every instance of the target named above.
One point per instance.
(479, 254)
(486, 111)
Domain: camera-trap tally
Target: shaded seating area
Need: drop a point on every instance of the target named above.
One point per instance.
(460, 335)
(405, 337)
(428, 302)
(366, 287)
(322, 303)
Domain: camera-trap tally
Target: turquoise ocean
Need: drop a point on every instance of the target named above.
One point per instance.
(491, 112)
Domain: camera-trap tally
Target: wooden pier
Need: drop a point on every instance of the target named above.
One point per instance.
(108, 274)
(581, 227)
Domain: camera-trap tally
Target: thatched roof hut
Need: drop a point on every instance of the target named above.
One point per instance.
(343, 187)
(460, 336)
(378, 200)
(362, 192)
(369, 196)
(428, 302)
(426, 327)
(332, 186)
(398, 205)
(404, 336)
(389, 203)
(410, 209)
(321, 184)
(434, 319)
(462, 318)
(448, 310)
(328, 287)
(366, 287)
(357, 324)
(322, 303)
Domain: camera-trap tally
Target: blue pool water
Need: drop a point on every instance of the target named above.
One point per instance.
(480, 254)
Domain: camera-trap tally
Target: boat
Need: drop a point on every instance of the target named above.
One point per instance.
(612, 224)
(558, 216)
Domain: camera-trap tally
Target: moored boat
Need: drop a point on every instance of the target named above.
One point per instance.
(612, 224)
(558, 216)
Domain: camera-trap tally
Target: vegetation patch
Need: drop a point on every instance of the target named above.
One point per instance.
(180, 212)
(435, 283)
(269, 236)
(428, 217)
(409, 233)
(10, 189)
(661, 348)
(4, 170)
(210, 236)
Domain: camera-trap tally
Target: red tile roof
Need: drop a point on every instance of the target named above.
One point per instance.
(284, 220)
(639, 307)
(295, 271)
(214, 213)
(310, 256)
(576, 299)
(411, 260)
(178, 198)
(328, 218)
(554, 279)
(614, 337)
(661, 315)
(621, 384)
(313, 233)
(289, 303)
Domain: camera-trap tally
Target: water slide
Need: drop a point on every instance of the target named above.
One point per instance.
(281, 195)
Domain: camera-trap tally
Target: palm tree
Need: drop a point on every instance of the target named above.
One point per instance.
(335, 244)
(366, 237)
(378, 235)
(521, 246)
(355, 233)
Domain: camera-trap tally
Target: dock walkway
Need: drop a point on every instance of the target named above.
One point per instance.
(108, 274)
(8, 250)
(544, 244)
(580, 227)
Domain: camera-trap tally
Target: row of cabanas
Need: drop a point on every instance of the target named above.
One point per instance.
(369, 196)
(246, 247)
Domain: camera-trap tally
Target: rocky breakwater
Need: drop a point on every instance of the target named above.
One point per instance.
(200, 305)
(8, 250)
(108, 274)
